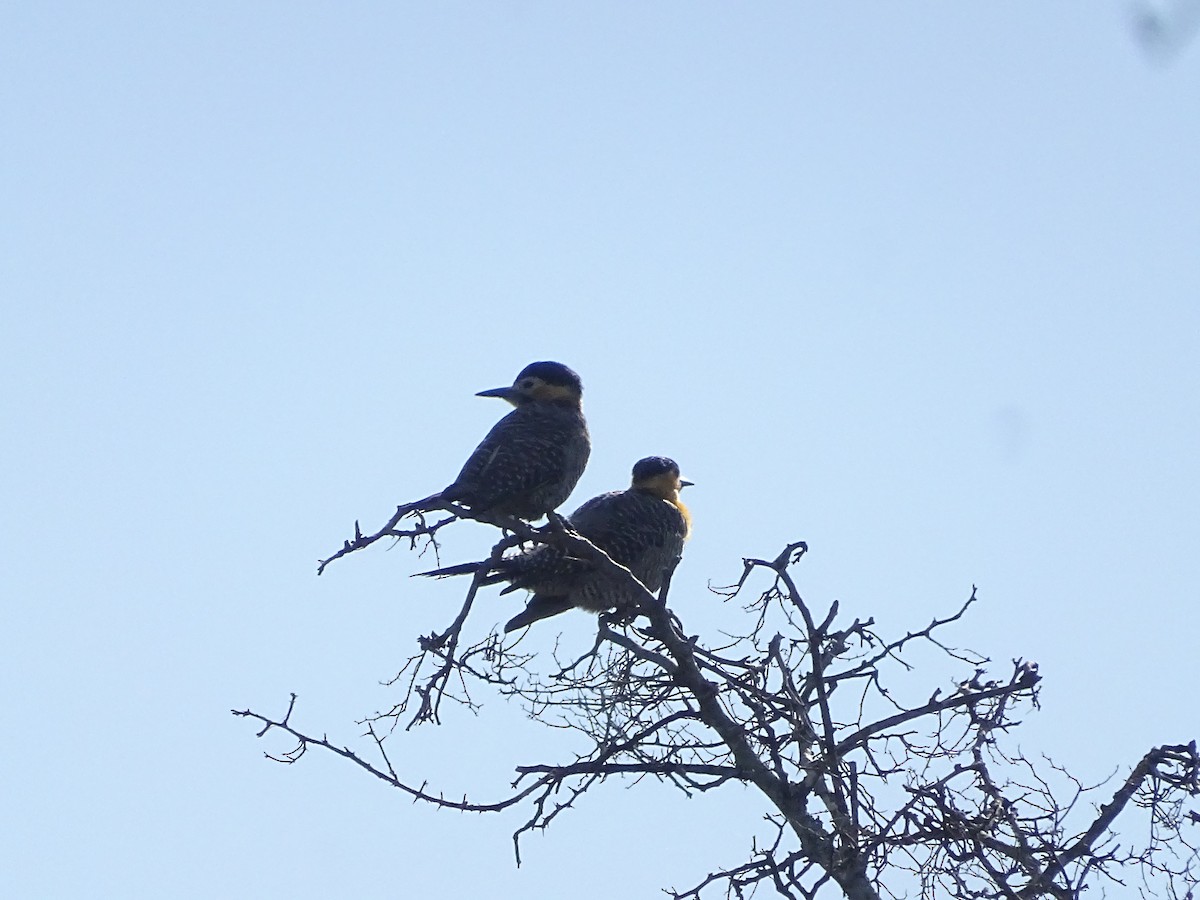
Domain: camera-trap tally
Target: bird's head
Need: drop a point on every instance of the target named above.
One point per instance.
(543, 382)
(658, 475)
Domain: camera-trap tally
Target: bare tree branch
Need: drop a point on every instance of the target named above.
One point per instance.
(867, 792)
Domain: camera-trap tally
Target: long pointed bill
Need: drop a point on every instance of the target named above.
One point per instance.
(504, 393)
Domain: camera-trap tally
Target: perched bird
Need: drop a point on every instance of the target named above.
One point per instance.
(532, 459)
(643, 528)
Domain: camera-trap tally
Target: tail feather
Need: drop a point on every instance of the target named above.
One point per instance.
(539, 607)
(461, 569)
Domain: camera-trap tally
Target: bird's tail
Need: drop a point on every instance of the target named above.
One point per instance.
(539, 607)
(514, 569)
(461, 569)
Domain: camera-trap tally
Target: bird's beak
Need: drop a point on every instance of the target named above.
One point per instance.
(504, 393)
(683, 482)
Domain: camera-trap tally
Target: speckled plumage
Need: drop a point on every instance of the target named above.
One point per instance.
(527, 465)
(643, 528)
(641, 531)
(531, 460)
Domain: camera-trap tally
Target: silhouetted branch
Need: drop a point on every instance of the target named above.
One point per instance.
(387, 774)
(422, 529)
(865, 788)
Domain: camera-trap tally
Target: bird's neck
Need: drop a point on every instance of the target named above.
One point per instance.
(665, 491)
(683, 511)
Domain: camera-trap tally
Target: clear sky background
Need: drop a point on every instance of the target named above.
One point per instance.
(917, 283)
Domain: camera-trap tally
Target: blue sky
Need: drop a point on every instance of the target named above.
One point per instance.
(916, 283)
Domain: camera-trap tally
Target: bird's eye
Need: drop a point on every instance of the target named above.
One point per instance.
(527, 384)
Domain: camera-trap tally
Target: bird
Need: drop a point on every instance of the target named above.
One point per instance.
(643, 528)
(531, 460)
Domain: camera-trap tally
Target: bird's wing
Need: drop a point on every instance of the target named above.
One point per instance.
(631, 527)
(516, 457)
